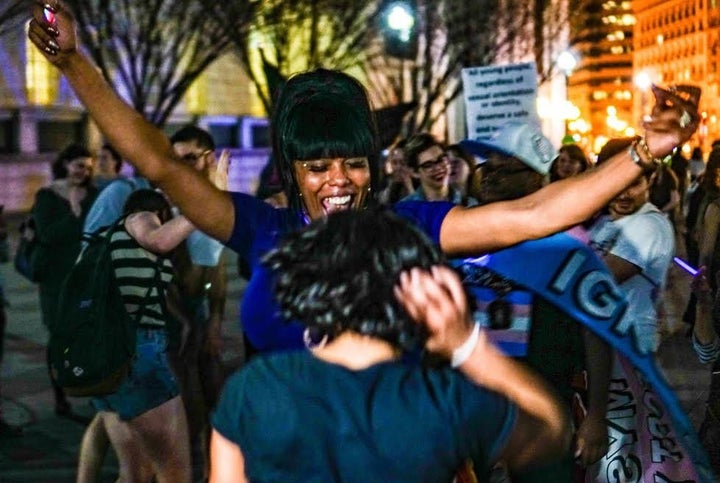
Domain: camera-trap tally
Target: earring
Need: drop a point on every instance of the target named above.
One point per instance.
(310, 344)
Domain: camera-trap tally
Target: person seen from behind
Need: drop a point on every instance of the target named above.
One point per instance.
(145, 419)
(350, 408)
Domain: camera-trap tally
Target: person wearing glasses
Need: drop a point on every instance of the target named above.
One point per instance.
(326, 146)
(430, 164)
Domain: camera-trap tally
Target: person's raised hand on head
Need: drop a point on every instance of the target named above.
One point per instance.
(437, 300)
(53, 31)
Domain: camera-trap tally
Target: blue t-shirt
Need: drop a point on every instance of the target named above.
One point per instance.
(298, 418)
(259, 228)
(108, 206)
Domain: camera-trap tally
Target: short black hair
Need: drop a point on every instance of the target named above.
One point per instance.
(148, 200)
(338, 274)
(321, 114)
(191, 133)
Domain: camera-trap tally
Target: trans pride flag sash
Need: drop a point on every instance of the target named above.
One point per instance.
(568, 274)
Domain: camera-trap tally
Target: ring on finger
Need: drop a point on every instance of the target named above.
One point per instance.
(685, 119)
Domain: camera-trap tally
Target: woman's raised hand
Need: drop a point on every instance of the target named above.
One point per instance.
(52, 30)
(674, 118)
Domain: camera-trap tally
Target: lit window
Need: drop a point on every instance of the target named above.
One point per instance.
(41, 78)
(196, 96)
(660, 39)
(599, 95)
(617, 49)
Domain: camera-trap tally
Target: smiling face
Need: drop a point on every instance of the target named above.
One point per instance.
(567, 166)
(433, 169)
(330, 185)
(79, 171)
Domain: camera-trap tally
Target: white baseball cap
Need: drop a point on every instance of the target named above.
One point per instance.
(520, 140)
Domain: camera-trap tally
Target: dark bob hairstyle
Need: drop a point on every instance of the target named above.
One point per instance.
(338, 274)
(321, 114)
(148, 200)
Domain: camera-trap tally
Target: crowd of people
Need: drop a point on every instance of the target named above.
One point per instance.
(376, 355)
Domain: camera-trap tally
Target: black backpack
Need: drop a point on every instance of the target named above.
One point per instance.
(92, 344)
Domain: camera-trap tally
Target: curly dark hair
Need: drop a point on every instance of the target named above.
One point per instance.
(338, 274)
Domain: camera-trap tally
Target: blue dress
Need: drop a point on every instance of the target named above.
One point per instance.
(259, 228)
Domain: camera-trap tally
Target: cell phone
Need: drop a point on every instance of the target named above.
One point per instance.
(685, 266)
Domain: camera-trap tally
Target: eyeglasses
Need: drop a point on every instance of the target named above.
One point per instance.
(440, 161)
(192, 158)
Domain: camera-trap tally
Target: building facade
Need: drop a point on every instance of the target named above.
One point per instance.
(677, 42)
(40, 115)
(601, 86)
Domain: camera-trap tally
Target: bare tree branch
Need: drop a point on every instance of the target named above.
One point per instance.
(298, 35)
(153, 50)
(13, 13)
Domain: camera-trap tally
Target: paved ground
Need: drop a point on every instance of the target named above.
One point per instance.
(48, 450)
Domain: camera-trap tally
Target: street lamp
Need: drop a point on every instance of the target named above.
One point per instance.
(399, 18)
(643, 81)
(566, 61)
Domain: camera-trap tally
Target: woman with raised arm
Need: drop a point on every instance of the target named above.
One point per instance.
(325, 145)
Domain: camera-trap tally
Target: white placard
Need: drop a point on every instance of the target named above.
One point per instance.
(497, 94)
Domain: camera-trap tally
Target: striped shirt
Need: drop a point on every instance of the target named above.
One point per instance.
(134, 269)
(707, 353)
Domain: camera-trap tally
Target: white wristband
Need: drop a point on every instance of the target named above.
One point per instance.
(462, 353)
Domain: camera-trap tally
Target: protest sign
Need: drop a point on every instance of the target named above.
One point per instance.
(497, 94)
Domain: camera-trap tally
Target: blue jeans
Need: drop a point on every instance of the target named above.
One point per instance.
(150, 382)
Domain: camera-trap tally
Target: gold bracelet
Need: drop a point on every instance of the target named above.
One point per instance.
(640, 143)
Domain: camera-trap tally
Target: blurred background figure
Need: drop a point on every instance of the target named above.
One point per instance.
(6, 429)
(107, 166)
(665, 191)
(59, 212)
(701, 229)
(696, 165)
(571, 160)
(462, 170)
(398, 180)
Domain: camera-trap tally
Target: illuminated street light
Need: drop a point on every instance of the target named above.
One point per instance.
(398, 26)
(642, 81)
(400, 19)
(566, 62)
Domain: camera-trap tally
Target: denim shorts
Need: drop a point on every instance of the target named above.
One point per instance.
(150, 383)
